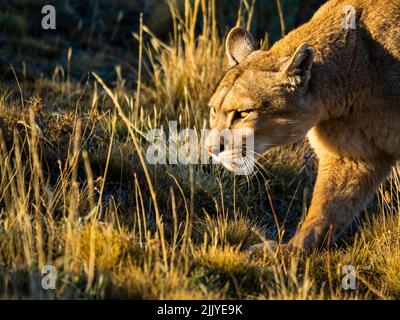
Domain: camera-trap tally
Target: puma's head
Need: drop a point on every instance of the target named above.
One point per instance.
(262, 95)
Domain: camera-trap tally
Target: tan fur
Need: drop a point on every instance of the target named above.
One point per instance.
(341, 88)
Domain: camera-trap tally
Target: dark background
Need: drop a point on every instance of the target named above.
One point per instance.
(99, 32)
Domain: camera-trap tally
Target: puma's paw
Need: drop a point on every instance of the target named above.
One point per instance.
(269, 247)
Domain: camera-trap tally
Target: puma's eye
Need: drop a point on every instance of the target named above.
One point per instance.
(241, 115)
(244, 114)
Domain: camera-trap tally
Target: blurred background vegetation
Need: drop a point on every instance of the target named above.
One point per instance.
(100, 31)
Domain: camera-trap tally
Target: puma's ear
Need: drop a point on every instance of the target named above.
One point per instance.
(239, 45)
(298, 70)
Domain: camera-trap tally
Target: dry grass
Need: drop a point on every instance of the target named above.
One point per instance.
(77, 193)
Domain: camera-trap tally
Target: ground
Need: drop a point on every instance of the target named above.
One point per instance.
(78, 194)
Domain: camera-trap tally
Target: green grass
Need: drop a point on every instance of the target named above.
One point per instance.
(12, 23)
(76, 195)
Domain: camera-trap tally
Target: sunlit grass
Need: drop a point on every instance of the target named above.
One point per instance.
(76, 194)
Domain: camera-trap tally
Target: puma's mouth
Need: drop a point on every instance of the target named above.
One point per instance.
(236, 161)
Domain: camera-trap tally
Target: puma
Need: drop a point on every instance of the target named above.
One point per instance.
(338, 86)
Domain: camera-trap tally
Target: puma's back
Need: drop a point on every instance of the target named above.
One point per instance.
(380, 34)
(377, 40)
(382, 22)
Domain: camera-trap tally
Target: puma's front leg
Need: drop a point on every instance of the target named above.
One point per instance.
(343, 188)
